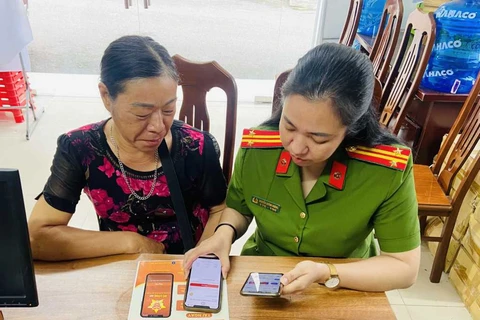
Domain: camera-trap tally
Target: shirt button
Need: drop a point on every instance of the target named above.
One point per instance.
(303, 215)
(296, 239)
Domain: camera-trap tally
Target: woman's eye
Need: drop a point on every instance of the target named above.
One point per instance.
(290, 129)
(319, 142)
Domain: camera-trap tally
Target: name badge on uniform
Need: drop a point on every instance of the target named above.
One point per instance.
(266, 204)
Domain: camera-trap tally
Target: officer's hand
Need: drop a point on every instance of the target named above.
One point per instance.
(303, 275)
(219, 244)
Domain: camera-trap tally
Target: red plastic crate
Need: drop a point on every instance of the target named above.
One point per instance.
(17, 114)
(13, 100)
(15, 92)
(11, 77)
(16, 102)
(13, 86)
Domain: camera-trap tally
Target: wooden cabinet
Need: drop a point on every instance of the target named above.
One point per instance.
(430, 116)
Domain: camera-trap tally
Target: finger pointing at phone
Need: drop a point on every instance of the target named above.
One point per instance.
(302, 276)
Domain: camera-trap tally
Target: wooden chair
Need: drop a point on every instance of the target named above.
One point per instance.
(377, 94)
(351, 23)
(196, 80)
(386, 39)
(277, 92)
(433, 186)
(407, 72)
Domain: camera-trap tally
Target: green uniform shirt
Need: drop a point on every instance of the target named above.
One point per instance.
(331, 221)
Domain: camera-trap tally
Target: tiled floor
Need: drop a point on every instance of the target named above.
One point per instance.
(70, 102)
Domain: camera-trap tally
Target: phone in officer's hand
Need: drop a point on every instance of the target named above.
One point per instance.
(262, 285)
(204, 286)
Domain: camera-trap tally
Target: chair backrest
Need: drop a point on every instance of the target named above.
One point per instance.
(196, 80)
(277, 92)
(351, 23)
(377, 94)
(387, 37)
(468, 125)
(409, 67)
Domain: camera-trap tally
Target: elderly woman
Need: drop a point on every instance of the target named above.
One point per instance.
(116, 163)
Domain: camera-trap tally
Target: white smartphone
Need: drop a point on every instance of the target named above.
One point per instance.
(204, 286)
(263, 285)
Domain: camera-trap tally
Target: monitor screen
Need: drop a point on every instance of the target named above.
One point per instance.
(17, 278)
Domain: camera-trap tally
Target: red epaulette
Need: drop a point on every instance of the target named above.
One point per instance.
(261, 139)
(384, 155)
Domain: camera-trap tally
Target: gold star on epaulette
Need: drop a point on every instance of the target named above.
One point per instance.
(397, 151)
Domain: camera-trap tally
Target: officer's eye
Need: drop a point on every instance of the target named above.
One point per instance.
(320, 142)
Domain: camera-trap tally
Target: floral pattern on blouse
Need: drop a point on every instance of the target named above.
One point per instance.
(84, 161)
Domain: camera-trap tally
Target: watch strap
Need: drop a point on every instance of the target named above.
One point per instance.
(333, 270)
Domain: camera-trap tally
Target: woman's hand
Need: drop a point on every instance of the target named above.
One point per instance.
(303, 275)
(219, 244)
(142, 244)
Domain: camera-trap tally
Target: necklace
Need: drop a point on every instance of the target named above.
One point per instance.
(122, 169)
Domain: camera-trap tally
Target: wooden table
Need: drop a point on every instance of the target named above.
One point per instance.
(429, 117)
(101, 289)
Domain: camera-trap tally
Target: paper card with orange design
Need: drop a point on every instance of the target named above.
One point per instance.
(158, 292)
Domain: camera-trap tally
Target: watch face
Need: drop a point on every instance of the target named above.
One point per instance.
(332, 282)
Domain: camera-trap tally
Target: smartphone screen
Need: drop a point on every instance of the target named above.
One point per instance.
(262, 284)
(157, 297)
(204, 284)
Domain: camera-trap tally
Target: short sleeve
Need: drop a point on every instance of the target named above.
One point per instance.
(396, 220)
(214, 185)
(235, 194)
(67, 178)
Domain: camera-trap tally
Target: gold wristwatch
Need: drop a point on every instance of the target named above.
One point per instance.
(334, 281)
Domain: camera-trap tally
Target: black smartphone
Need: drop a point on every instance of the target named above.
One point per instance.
(204, 286)
(262, 285)
(157, 296)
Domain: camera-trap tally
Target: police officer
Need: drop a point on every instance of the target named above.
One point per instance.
(320, 177)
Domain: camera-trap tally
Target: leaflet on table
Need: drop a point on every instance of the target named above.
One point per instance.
(158, 292)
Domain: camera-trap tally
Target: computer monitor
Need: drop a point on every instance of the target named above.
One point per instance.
(17, 277)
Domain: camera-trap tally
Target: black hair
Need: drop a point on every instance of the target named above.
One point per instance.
(345, 76)
(134, 57)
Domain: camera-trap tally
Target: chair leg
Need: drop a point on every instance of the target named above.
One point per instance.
(441, 254)
(423, 224)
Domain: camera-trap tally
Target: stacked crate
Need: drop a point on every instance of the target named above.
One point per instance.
(463, 257)
(13, 93)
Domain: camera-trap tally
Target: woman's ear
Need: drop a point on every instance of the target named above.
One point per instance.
(105, 95)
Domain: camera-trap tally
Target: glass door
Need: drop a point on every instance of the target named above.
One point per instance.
(69, 37)
(252, 39)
